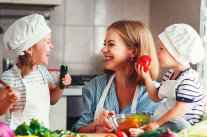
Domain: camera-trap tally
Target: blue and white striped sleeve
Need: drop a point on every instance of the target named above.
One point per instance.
(87, 114)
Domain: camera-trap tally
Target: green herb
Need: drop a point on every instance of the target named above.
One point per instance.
(35, 128)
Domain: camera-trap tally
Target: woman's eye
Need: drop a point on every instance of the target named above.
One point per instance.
(104, 44)
(111, 44)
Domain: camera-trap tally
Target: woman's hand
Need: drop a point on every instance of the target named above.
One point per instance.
(67, 80)
(102, 123)
(13, 95)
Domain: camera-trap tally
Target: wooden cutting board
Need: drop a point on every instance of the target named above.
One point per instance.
(94, 134)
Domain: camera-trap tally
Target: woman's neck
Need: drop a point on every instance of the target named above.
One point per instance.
(123, 80)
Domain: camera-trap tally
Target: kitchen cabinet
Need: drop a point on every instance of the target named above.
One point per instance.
(58, 115)
(39, 2)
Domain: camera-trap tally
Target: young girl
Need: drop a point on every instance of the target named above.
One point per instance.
(31, 90)
(179, 45)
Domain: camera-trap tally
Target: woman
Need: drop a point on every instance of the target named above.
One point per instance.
(120, 90)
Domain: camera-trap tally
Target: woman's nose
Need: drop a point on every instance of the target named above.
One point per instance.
(104, 49)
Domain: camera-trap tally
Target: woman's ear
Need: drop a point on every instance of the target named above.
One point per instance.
(134, 52)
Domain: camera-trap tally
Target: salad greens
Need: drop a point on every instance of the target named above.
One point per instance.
(35, 128)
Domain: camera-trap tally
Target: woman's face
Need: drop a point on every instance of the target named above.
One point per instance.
(165, 59)
(41, 51)
(115, 51)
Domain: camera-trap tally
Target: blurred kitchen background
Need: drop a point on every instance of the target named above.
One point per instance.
(78, 32)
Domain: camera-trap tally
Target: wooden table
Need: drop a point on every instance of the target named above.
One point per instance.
(94, 134)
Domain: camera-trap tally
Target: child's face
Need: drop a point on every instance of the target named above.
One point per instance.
(41, 51)
(117, 54)
(164, 57)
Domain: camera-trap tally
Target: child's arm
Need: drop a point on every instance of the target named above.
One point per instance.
(177, 111)
(151, 89)
(56, 93)
(7, 99)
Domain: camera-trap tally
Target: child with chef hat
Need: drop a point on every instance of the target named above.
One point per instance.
(31, 92)
(179, 45)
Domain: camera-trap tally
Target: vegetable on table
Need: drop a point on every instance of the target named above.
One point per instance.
(35, 128)
(5, 131)
(168, 133)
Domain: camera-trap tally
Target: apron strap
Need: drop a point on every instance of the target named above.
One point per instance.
(100, 105)
(134, 101)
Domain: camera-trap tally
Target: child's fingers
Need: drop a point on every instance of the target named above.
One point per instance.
(13, 96)
(143, 127)
(67, 79)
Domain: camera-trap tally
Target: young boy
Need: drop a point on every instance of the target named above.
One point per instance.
(179, 45)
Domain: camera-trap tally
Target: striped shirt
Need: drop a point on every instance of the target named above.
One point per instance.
(11, 78)
(188, 90)
(92, 93)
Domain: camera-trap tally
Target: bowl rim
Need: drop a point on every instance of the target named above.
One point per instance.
(126, 115)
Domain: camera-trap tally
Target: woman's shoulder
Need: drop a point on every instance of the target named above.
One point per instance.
(98, 82)
(104, 78)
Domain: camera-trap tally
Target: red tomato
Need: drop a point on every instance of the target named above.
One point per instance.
(144, 61)
(69, 136)
(111, 135)
(121, 134)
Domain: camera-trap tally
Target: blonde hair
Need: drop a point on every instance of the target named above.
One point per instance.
(25, 64)
(137, 35)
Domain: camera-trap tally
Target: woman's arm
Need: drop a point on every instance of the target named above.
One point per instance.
(174, 113)
(7, 99)
(56, 93)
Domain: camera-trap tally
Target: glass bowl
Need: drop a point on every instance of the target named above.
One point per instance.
(141, 120)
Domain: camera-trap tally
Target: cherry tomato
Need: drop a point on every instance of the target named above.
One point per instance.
(121, 134)
(144, 61)
(111, 135)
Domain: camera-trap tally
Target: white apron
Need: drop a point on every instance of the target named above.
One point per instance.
(167, 90)
(37, 104)
(100, 106)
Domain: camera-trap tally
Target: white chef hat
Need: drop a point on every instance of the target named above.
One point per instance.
(25, 32)
(183, 43)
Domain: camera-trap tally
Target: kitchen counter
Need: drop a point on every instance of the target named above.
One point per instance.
(73, 91)
(94, 134)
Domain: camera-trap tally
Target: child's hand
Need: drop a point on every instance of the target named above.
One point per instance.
(151, 126)
(134, 132)
(67, 80)
(140, 70)
(13, 96)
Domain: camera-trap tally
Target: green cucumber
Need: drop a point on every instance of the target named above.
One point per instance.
(63, 72)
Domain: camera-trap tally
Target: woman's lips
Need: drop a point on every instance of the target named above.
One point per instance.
(106, 59)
